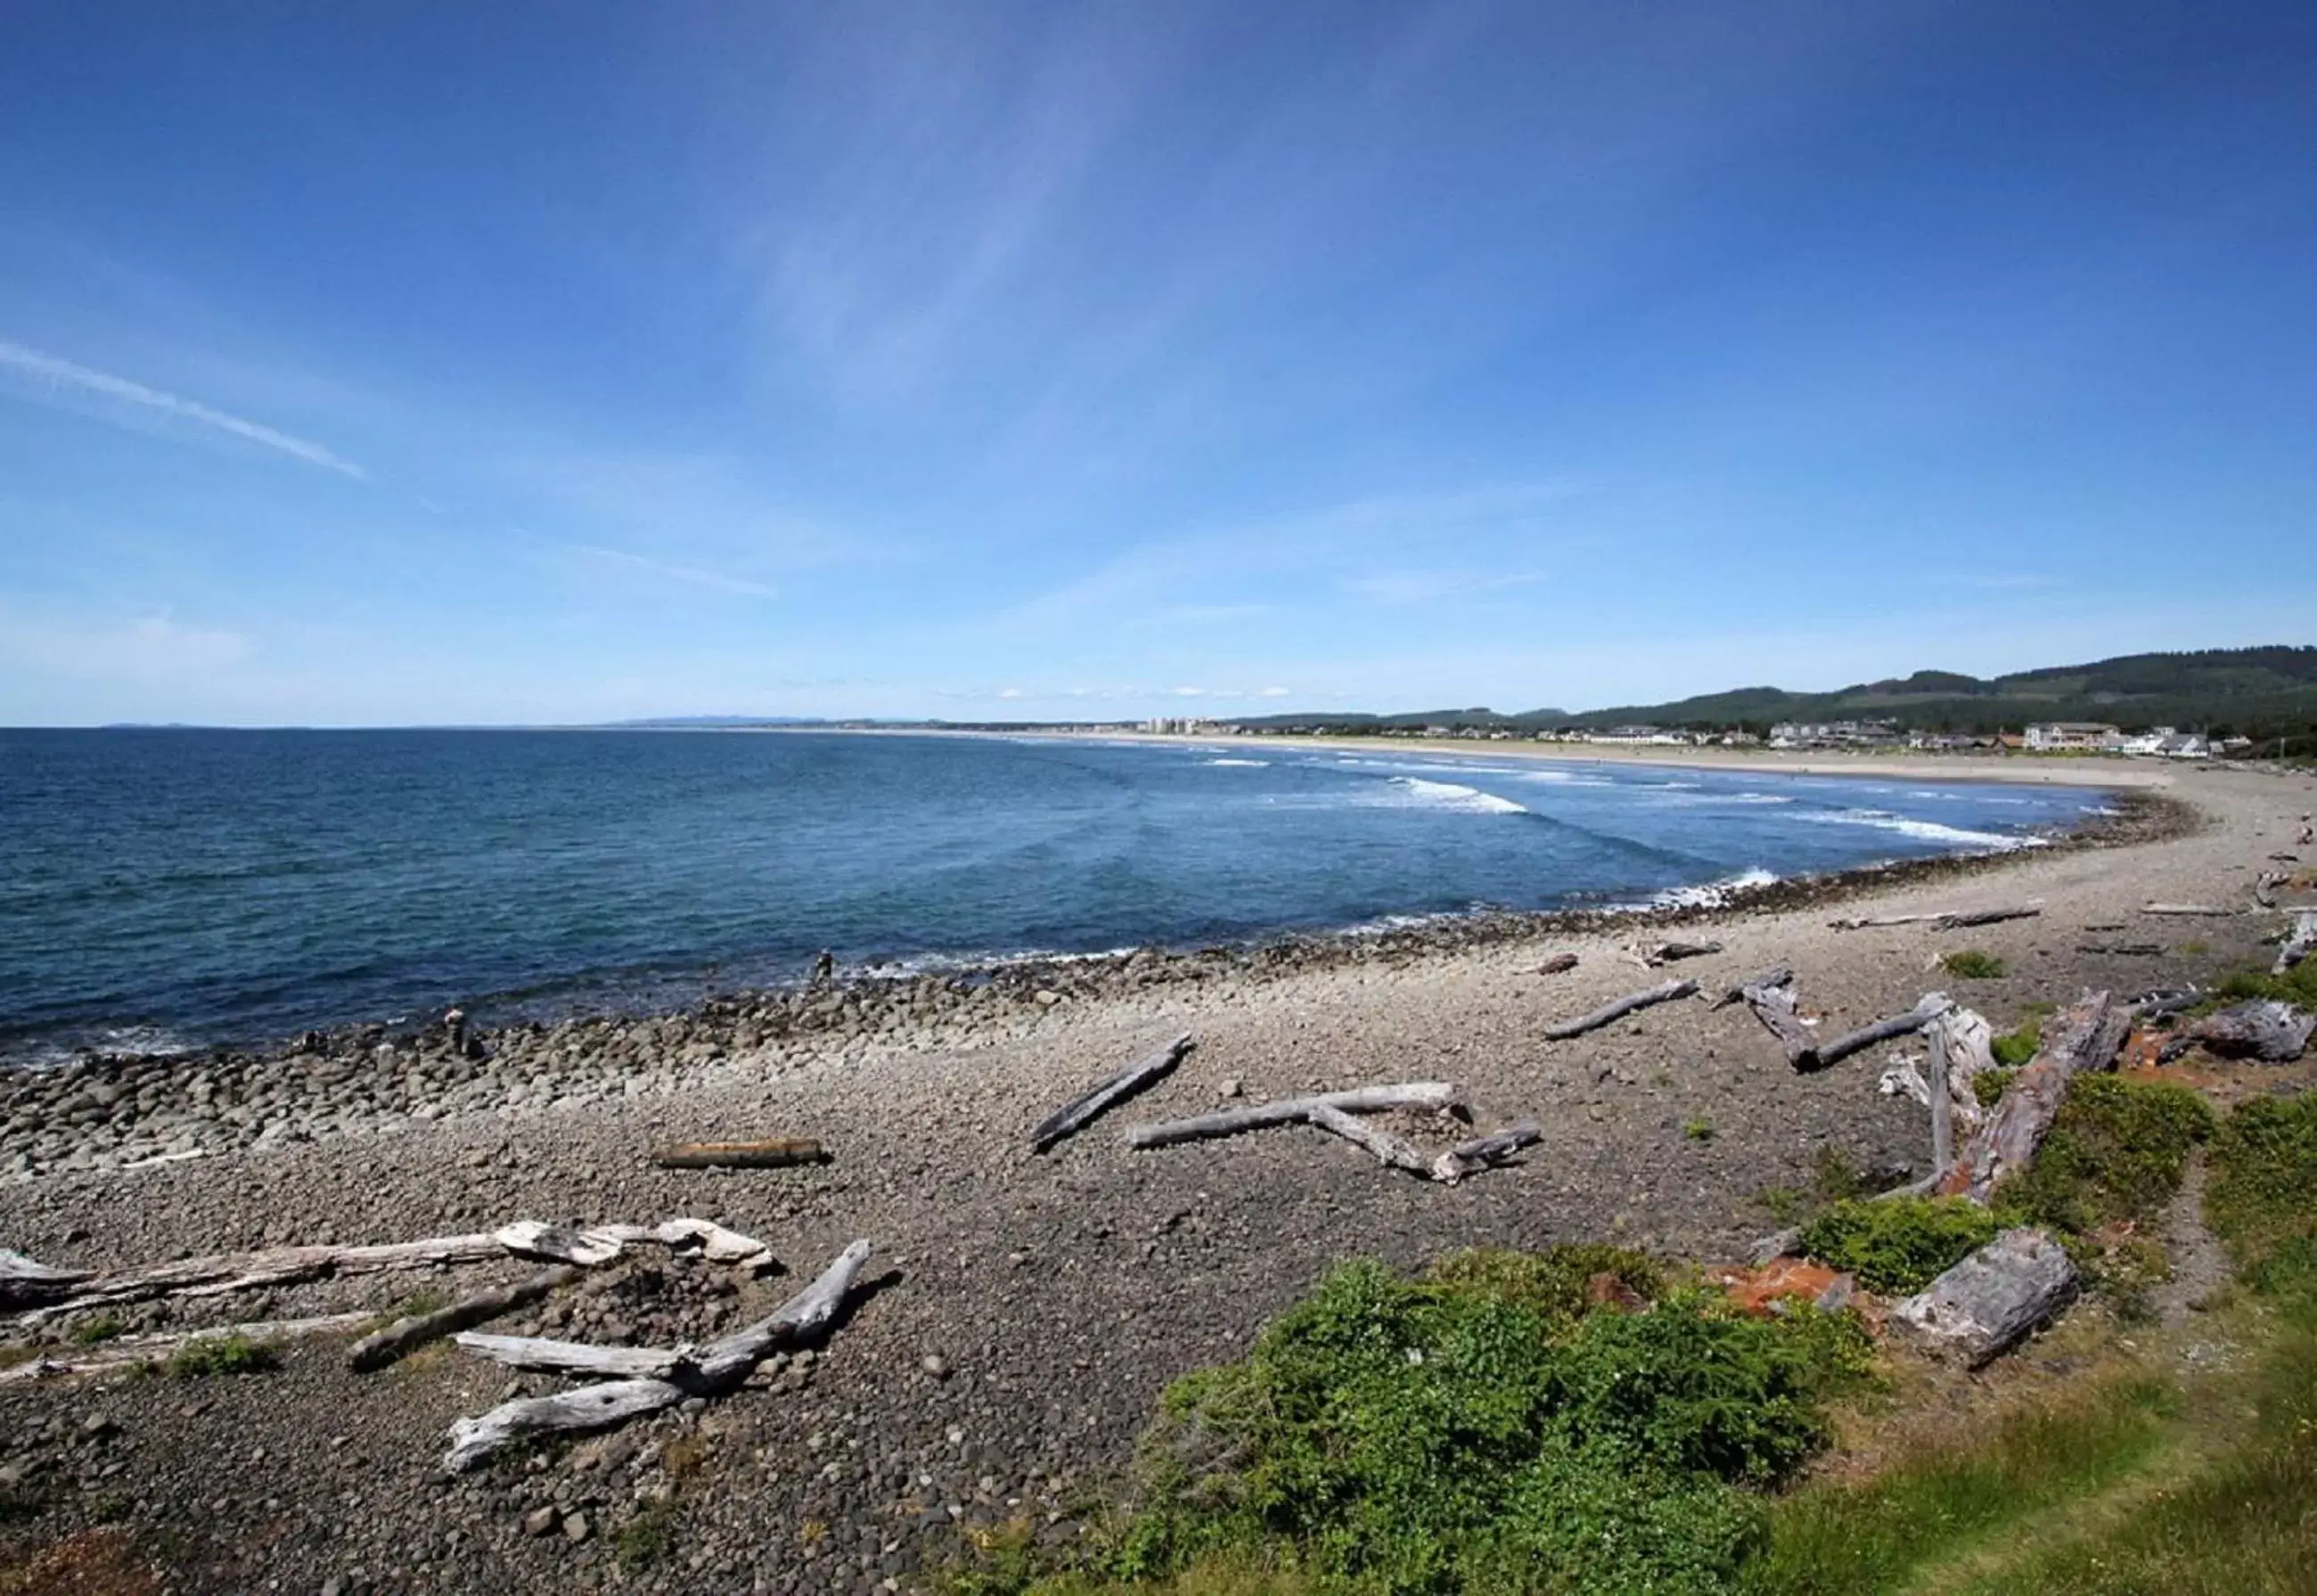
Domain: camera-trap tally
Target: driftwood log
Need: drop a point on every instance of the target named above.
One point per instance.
(27, 1284)
(2205, 910)
(138, 1351)
(2081, 1038)
(1390, 1151)
(538, 1354)
(1951, 920)
(2136, 950)
(1985, 1304)
(2299, 943)
(1827, 1054)
(1771, 998)
(1483, 1152)
(405, 1335)
(1558, 965)
(2272, 1032)
(1460, 1163)
(777, 1152)
(1365, 1100)
(711, 1371)
(1075, 1115)
(1609, 1013)
(1667, 953)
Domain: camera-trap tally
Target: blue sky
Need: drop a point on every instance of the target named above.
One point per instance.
(563, 362)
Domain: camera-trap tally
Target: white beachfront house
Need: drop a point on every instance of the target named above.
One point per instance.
(2073, 737)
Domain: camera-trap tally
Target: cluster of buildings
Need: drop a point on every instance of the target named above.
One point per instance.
(2093, 736)
(2051, 736)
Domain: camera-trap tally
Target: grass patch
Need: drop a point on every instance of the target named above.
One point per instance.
(1836, 1177)
(1483, 1428)
(2296, 985)
(232, 1353)
(647, 1538)
(1896, 1245)
(2260, 1192)
(1988, 1086)
(17, 1352)
(105, 1327)
(1970, 964)
(2114, 1155)
(2016, 1047)
(1698, 1129)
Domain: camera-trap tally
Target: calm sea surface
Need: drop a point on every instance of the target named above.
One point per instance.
(163, 888)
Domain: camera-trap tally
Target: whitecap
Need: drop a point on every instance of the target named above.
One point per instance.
(1921, 830)
(1454, 796)
(1712, 894)
(1239, 764)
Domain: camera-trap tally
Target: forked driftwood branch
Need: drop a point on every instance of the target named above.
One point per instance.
(710, 1371)
(1365, 1100)
(1609, 1013)
(1075, 1115)
(2083, 1038)
(1771, 998)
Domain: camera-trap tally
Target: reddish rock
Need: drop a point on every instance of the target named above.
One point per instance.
(1757, 1289)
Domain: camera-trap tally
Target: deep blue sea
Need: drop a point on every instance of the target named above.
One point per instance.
(172, 888)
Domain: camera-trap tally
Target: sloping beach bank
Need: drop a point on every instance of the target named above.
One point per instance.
(1037, 1304)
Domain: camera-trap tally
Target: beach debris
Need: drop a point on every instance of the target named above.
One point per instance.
(1437, 1095)
(2137, 950)
(1078, 1112)
(2264, 888)
(1559, 963)
(1667, 953)
(1771, 996)
(129, 1352)
(1827, 1054)
(1461, 1161)
(707, 1371)
(2167, 1001)
(1950, 919)
(1394, 1151)
(405, 1335)
(2207, 911)
(1484, 1153)
(1609, 1013)
(27, 1284)
(2265, 1029)
(2299, 944)
(774, 1152)
(1961, 1046)
(1985, 1304)
(538, 1355)
(2084, 1037)
(2285, 858)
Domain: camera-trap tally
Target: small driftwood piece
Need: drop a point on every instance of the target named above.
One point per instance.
(1771, 998)
(2135, 950)
(1950, 919)
(2082, 1038)
(2299, 944)
(777, 1152)
(1987, 1304)
(1667, 953)
(2263, 890)
(1467, 1159)
(2265, 1029)
(2166, 1001)
(1609, 1013)
(1365, 1100)
(405, 1335)
(1074, 1116)
(2205, 910)
(711, 1371)
(1559, 963)
(1390, 1151)
(25, 1283)
(1828, 1053)
(132, 1352)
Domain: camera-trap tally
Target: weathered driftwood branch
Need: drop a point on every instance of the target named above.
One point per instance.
(2299, 945)
(2264, 888)
(405, 1335)
(2205, 911)
(2136, 950)
(1558, 964)
(278, 1265)
(131, 1352)
(1983, 1306)
(1950, 919)
(540, 1355)
(776, 1152)
(1667, 953)
(1365, 1100)
(1828, 1053)
(2166, 1001)
(1073, 1116)
(711, 1371)
(2082, 1038)
(1394, 1151)
(592, 1249)
(1771, 998)
(1609, 1013)
(25, 1283)
(1467, 1159)
(2265, 1029)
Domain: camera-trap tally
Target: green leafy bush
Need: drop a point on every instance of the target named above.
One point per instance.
(1970, 964)
(1990, 1085)
(232, 1353)
(1483, 1428)
(2016, 1047)
(2115, 1153)
(2258, 1196)
(1898, 1244)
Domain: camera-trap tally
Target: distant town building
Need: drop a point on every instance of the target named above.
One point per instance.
(1834, 734)
(2073, 737)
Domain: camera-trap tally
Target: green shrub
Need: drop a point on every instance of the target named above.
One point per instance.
(2115, 1154)
(105, 1327)
(1970, 964)
(1835, 1175)
(1896, 1245)
(232, 1353)
(2016, 1047)
(1482, 1428)
(1988, 1086)
(1698, 1129)
(2258, 1196)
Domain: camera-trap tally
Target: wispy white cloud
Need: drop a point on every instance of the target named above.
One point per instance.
(49, 378)
(1420, 587)
(697, 576)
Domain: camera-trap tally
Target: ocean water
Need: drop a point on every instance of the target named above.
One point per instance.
(167, 889)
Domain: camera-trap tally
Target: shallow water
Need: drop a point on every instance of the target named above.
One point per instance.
(163, 888)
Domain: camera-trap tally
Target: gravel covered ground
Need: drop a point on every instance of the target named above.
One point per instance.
(1029, 1309)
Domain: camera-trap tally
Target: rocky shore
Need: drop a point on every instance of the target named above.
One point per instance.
(1029, 1308)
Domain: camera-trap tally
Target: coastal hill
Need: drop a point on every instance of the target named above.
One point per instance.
(2259, 692)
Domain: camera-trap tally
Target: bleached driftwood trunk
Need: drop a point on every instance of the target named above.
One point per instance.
(2274, 1033)
(2299, 944)
(1467, 1159)
(711, 1371)
(135, 1352)
(405, 1335)
(2083, 1038)
(1771, 998)
(1985, 1304)
(1365, 1100)
(1828, 1053)
(1608, 1013)
(1394, 1151)
(1075, 1115)
(1951, 920)
(25, 1283)
(2203, 910)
